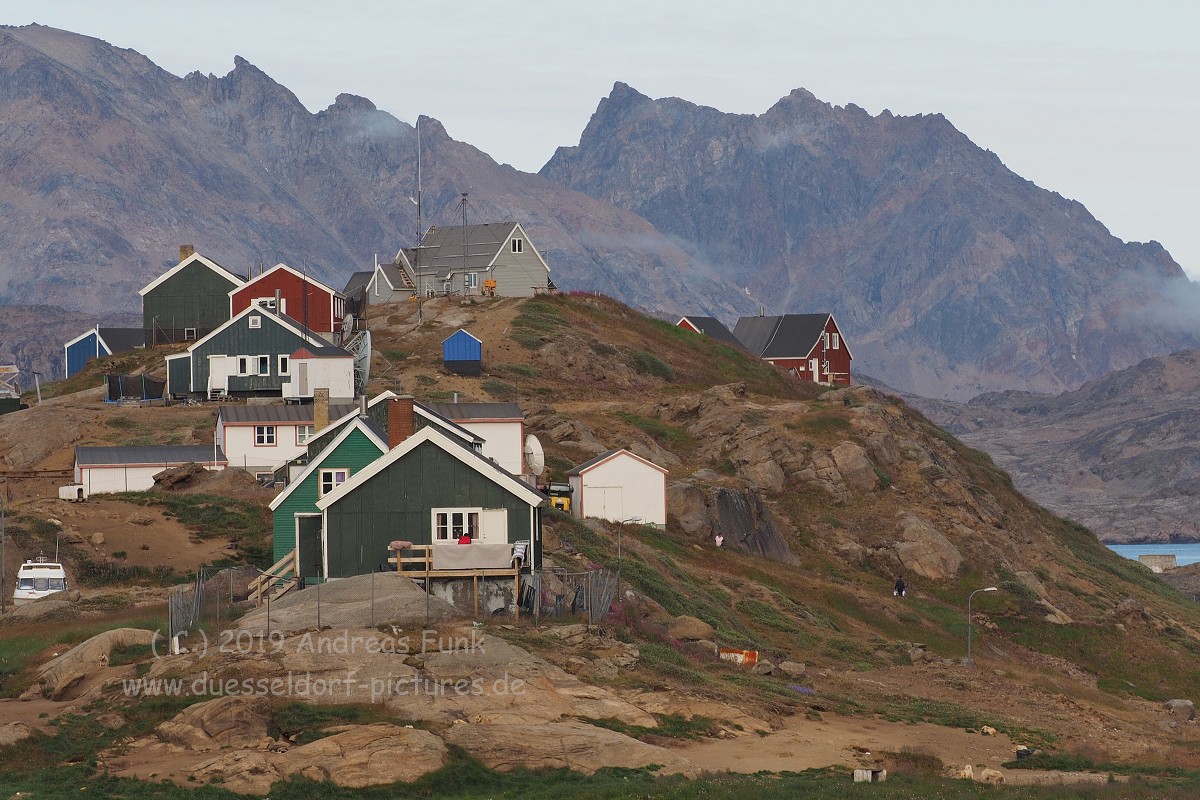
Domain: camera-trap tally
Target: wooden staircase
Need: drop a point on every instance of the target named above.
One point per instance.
(277, 581)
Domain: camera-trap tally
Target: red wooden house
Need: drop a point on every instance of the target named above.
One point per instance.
(314, 305)
(810, 346)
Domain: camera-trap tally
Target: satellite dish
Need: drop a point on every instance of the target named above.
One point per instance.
(360, 348)
(535, 457)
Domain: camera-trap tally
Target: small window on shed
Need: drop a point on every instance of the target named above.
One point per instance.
(189, 334)
(518, 245)
(255, 321)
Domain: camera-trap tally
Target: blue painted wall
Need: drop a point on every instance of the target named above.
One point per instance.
(462, 347)
(83, 351)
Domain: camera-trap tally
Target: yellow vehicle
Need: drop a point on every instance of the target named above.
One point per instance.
(560, 496)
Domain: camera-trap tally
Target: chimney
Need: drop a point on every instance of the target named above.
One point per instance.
(278, 301)
(320, 410)
(401, 421)
(762, 311)
(362, 406)
(186, 250)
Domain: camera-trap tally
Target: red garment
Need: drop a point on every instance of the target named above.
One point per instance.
(464, 539)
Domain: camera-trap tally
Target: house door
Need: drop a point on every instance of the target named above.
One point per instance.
(814, 369)
(606, 502)
(303, 376)
(493, 526)
(308, 544)
(218, 373)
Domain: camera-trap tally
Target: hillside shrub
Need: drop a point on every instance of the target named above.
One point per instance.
(499, 389)
(647, 363)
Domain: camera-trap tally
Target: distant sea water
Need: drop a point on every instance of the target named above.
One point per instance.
(1185, 552)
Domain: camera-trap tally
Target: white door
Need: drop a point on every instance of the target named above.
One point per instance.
(303, 388)
(218, 373)
(814, 368)
(493, 526)
(606, 502)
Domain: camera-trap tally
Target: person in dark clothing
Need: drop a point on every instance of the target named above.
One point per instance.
(899, 590)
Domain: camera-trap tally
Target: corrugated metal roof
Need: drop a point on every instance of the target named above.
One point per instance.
(301, 414)
(321, 351)
(470, 411)
(148, 455)
(789, 336)
(441, 249)
(591, 462)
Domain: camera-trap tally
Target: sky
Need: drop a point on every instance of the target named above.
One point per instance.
(1095, 100)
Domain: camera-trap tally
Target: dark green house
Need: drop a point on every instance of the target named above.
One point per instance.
(249, 354)
(188, 302)
(428, 489)
(296, 516)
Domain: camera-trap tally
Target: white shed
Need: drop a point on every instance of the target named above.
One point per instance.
(100, 470)
(619, 485)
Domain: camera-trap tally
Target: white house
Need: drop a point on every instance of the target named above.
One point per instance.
(102, 470)
(500, 425)
(619, 485)
(259, 438)
(314, 366)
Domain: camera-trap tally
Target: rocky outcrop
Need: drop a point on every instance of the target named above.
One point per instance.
(368, 755)
(739, 516)
(572, 745)
(687, 628)
(224, 722)
(925, 551)
(855, 467)
(59, 678)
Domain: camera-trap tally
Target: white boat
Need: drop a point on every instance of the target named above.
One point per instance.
(38, 578)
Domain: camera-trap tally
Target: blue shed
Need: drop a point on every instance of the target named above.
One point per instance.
(462, 353)
(99, 342)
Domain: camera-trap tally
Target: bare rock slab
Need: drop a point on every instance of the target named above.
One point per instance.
(574, 745)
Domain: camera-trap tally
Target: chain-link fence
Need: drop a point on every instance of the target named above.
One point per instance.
(205, 608)
(588, 595)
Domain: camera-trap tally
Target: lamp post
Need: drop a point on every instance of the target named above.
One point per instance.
(969, 598)
(620, 530)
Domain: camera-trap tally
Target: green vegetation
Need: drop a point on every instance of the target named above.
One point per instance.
(670, 435)
(396, 354)
(823, 423)
(537, 323)
(766, 614)
(88, 572)
(308, 722)
(647, 363)
(952, 715)
(519, 370)
(499, 389)
(670, 726)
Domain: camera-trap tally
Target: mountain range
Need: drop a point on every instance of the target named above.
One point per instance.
(950, 274)
(1118, 455)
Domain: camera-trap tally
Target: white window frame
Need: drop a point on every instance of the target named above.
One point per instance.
(243, 365)
(285, 365)
(254, 321)
(266, 435)
(472, 280)
(331, 478)
(304, 433)
(826, 335)
(269, 304)
(837, 342)
(189, 334)
(263, 366)
(517, 245)
(444, 524)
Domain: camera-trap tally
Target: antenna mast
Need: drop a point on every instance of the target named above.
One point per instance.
(417, 257)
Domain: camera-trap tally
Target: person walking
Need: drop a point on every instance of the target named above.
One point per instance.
(898, 591)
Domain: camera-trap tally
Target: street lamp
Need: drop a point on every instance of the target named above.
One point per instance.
(620, 529)
(3, 559)
(969, 598)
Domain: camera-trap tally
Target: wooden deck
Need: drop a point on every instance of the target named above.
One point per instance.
(420, 565)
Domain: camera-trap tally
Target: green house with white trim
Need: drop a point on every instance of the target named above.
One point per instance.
(296, 516)
(429, 490)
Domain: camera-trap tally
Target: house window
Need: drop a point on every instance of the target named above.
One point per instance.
(269, 304)
(518, 245)
(254, 321)
(264, 365)
(243, 363)
(284, 366)
(449, 524)
(330, 479)
(264, 435)
(827, 338)
(836, 342)
(472, 279)
(189, 334)
(303, 433)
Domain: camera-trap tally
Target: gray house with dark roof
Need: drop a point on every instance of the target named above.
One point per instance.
(495, 258)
